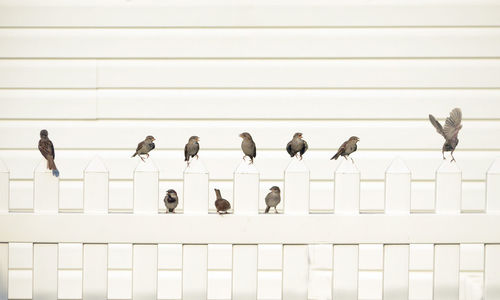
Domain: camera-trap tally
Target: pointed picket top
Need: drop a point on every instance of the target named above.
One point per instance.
(296, 166)
(147, 166)
(196, 166)
(448, 167)
(398, 166)
(96, 165)
(347, 166)
(42, 167)
(495, 167)
(3, 167)
(246, 168)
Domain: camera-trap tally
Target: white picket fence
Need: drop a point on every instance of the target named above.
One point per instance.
(448, 254)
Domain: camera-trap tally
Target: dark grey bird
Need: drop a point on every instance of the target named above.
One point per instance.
(191, 149)
(47, 149)
(248, 146)
(144, 147)
(171, 200)
(273, 199)
(222, 205)
(297, 146)
(452, 126)
(347, 148)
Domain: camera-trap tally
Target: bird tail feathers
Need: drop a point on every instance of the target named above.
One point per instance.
(51, 165)
(55, 172)
(335, 156)
(134, 154)
(267, 209)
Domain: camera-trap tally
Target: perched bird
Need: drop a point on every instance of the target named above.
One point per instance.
(452, 126)
(297, 145)
(47, 149)
(273, 199)
(347, 148)
(191, 149)
(222, 205)
(171, 200)
(144, 147)
(248, 146)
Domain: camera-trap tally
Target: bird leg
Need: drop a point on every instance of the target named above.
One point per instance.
(300, 157)
(141, 158)
(452, 158)
(345, 157)
(275, 210)
(251, 160)
(443, 154)
(147, 155)
(196, 156)
(352, 159)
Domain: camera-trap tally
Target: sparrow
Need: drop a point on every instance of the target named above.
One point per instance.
(297, 145)
(191, 149)
(273, 199)
(171, 200)
(145, 146)
(452, 126)
(222, 205)
(248, 146)
(47, 149)
(347, 148)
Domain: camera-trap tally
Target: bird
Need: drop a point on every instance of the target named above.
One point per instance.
(191, 149)
(347, 148)
(297, 145)
(273, 199)
(47, 149)
(171, 200)
(222, 205)
(248, 146)
(144, 147)
(452, 126)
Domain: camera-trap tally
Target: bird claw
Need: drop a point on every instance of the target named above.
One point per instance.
(196, 156)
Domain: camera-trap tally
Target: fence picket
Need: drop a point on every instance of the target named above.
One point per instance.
(448, 188)
(295, 272)
(4, 187)
(296, 194)
(95, 271)
(45, 276)
(347, 188)
(246, 189)
(493, 188)
(397, 188)
(146, 187)
(46, 190)
(492, 272)
(244, 272)
(96, 187)
(195, 188)
(345, 272)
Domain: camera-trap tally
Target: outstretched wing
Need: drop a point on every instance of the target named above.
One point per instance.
(437, 125)
(304, 149)
(289, 148)
(453, 124)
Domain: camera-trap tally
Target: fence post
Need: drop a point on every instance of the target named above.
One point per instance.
(196, 188)
(95, 187)
(146, 186)
(491, 273)
(446, 271)
(295, 272)
(345, 272)
(296, 195)
(493, 188)
(244, 272)
(95, 271)
(397, 188)
(396, 272)
(347, 188)
(46, 189)
(246, 189)
(145, 272)
(194, 272)
(448, 188)
(45, 271)
(4, 187)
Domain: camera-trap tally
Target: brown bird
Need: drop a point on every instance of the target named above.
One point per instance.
(297, 146)
(47, 149)
(273, 199)
(171, 200)
(144, 147)
(452, 126)
(248, 146)
(191, 149)
(222, 205)
(347, 148)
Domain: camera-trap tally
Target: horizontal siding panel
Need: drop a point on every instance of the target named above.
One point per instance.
(48, 104)
(47, 74)
(224, 134)
(390, 73)
(248, 13)
(244, 43)
(271, 164)
(294, 104)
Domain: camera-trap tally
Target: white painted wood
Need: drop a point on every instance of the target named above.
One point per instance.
(169, 256)
(4, 187)
(370, 285)
(446, 271)
(397, 188)
(169, 285)
(345, 272)
(70, 273)
(194, 272)
(295, 271)
(146, 187)
(371, 257)
(471, 257)
(45, 271)
(246, 189)
(196, 188)
(20, 279)
(120, 257)
(269, 285)
(4, 270)
(220, 256)
(95, 271)
(492, 272)
(493, 187)
(346, 188)
(219, 285)
(20, 255)
(296, 193)
(244, 284)
(320, 271)
(145, 271)
(96, 187)
(448, 188)
(396, 270)
(270, 256)
(46, 189)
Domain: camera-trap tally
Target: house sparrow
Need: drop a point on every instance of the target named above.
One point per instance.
(191, 149)
(347, 148)
(297, 145)
(47, 149)
(145, 146)
(222, 205)
(248, 146)
(273, 199)
(452, 126)
(171, 200)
